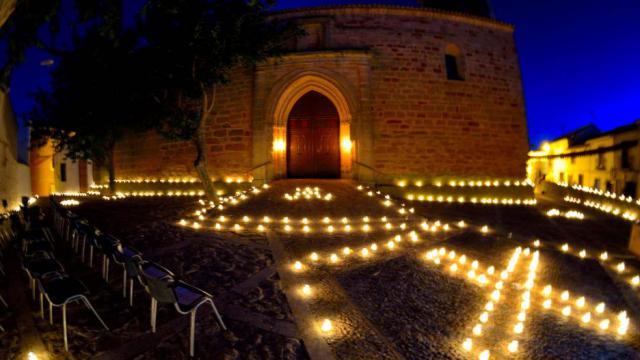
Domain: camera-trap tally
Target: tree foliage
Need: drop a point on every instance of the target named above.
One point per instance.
(192, 47)
(35, 23)
(97, 96)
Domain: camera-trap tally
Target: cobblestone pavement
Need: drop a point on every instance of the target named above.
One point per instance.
(386, 302)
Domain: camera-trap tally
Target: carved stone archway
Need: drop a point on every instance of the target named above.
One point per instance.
(285, 95)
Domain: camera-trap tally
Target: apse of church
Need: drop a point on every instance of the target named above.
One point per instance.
(373, 93)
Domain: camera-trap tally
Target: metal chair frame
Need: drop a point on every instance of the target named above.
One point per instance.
(165, 287)
(71, 299)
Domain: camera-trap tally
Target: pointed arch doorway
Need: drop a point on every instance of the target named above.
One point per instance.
(313, 138)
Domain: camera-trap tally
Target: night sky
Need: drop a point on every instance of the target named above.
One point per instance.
(580, 62)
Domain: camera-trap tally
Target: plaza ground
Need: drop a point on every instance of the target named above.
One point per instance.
(388, 302)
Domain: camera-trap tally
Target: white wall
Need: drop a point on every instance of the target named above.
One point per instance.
(14, 177)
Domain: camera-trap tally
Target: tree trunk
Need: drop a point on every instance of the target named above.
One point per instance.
(201, 148)
(201, 162)
(111, 168)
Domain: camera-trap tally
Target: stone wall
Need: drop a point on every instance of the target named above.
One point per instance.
(227, 134)
(407, 120)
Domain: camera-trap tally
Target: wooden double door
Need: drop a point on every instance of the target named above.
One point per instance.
(313, 145)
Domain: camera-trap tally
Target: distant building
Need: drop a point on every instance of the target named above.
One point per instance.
(606, 161)
(52, 172)
(372, 92)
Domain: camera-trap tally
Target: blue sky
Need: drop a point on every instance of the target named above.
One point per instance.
(580, 62)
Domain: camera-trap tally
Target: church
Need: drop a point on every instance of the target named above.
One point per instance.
(370, 92)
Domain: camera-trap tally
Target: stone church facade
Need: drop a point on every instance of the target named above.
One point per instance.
(373, 93)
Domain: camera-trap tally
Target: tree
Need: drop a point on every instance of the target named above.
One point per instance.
(97, 96)
(192, 46)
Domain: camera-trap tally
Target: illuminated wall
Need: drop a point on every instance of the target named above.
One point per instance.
(604, 171)
(14, 176)
(401, 116)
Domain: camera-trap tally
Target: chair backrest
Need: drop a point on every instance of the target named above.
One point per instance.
(107, 243)
(160, 289)
(131, 265)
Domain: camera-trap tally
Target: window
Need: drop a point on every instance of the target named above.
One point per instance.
(580, 179)
(596, 184)
(609, 187)
(453, 63)
(63, 172)
(561, 177)
(601, 164)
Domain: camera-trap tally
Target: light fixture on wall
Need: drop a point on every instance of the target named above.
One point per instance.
(278, 145)
(346, 144)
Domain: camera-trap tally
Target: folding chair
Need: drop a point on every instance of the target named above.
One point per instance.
(61, 291)
(185, 298)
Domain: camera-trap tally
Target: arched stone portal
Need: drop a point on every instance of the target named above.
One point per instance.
(313, 145)
(287, 95)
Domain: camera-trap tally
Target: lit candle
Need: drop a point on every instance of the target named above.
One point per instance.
(484, 355)
(306, 289)
(326, 326)
(467, 344)
(484, 317)
(477, 330)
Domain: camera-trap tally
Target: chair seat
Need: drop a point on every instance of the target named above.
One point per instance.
(187, 297)
(156, 272)
(129, 252)
(37, 268)
(60, 290)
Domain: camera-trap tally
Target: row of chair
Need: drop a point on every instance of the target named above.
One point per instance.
(162, 285)
(6, 235)
(48, 277)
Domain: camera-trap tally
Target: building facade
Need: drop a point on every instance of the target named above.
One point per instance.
(14, 173)
(604, 161)
(373, 93)
(52, 172)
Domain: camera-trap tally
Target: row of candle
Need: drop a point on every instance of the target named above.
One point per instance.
(184, 180)
(619, 267)
(570, 214)
(308, 193)
(607, 194)
(472, 200)
(469, 183)
(584, 316)
(607, 208)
